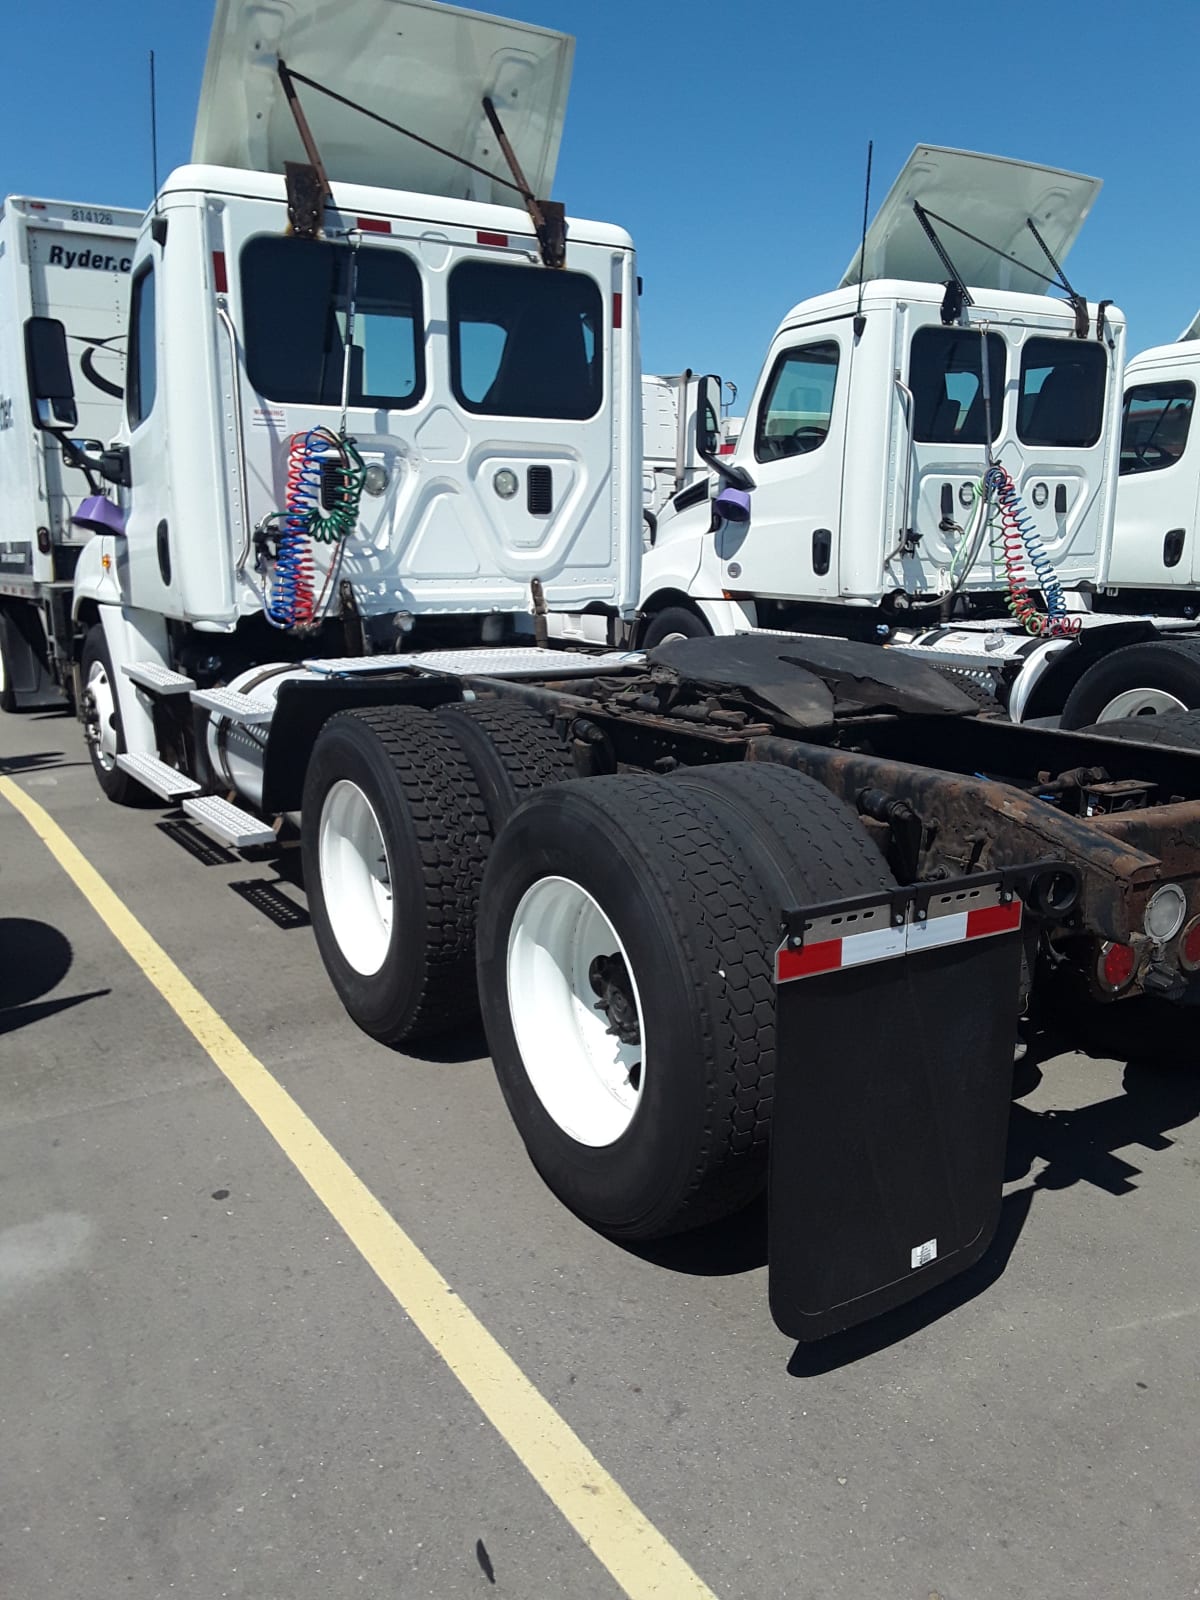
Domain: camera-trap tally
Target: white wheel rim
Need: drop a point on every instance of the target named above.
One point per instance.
(101, 691)
(670, 638)
(1140, 703)
(3, 669)
(589, 1081)
(356, 877)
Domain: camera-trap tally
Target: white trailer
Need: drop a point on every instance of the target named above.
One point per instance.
(870, 441)
(671, 459)
(70, 263)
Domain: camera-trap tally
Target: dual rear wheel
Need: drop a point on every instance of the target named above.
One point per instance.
(617, 933)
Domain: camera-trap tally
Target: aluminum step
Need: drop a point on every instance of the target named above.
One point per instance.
(158, 679)
(227, 823)
(356, 666)
(520, 661)
(168, 783)
(233, 706)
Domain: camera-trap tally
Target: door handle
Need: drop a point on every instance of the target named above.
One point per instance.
(1173, 547)
(822, 551)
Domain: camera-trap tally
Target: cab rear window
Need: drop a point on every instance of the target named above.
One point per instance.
(524, 342)
(945, 375)
(1061, 403)
(295, 299)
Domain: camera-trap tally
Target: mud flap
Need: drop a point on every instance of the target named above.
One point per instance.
(896, 1026)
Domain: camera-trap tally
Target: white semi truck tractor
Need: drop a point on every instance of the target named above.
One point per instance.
(719, 903)
(931, 459)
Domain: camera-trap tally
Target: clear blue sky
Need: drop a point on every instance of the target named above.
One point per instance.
(729, 139)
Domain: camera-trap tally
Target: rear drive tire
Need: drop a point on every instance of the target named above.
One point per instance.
(824, 851)
(393, 841)
(1178, 729)
(103, 728)
(649, 907)
(675, 622)
(511, 750)
(1139, 680)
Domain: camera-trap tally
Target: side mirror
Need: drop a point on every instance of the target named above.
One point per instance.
(51, 391)
(708, 442)
(708, 418)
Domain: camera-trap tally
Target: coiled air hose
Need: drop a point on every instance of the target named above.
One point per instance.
(325, 476)
(1020, 541)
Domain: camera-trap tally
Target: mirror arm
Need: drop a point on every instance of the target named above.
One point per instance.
(75, 457)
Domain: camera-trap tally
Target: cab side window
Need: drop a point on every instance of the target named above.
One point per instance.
(1155, 424)
(794, 417)
(142, 380)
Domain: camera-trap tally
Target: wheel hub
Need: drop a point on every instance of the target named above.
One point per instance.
(1140, 702)
(609, 978)
(100, 717)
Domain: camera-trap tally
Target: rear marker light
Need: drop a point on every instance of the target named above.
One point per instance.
(1117, 964)
(500, 240)
(220, 277)
(372, 225)
(618, 308)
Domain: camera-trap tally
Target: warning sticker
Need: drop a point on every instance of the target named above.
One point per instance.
(923, 1254)
(269, 417)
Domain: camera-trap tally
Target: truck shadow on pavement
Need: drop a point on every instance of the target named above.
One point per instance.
(34, 959)
(37, 761)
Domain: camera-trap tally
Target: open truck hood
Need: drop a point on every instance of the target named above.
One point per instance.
(424, 65)
(989, 197)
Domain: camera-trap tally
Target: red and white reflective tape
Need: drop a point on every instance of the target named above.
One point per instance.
(820, 953)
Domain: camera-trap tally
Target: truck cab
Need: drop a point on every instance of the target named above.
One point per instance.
(881, 405)
(1155, 557)
(380, 392)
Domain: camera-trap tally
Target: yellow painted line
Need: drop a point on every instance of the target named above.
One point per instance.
(642, 1561)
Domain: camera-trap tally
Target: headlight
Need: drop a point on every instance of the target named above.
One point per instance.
(1165, 911)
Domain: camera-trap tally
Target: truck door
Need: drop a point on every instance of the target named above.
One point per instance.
(1155, 539)
(152, 581)
(950, 414)
(789, 549)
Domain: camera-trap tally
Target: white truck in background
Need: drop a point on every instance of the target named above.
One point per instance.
(858, 503)
(1154, 556)
(71, 263)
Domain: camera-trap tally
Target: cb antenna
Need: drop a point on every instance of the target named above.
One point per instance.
(158, 224)
(860, 321)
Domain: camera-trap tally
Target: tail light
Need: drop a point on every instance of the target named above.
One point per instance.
(1116, 966)
(1189, 946)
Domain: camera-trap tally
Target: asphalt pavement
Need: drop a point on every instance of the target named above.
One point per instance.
(206, 1391)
